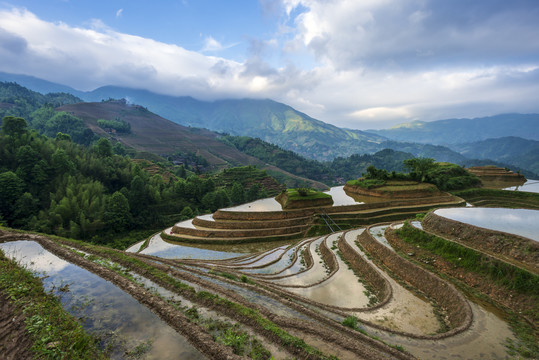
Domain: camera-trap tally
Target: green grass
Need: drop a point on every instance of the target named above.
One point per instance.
(504, 274)
(55, 333)
(367, 183)
(294, 194)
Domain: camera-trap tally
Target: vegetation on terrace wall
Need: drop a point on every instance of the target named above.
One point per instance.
(58, 187)
(444, 175)
(506, 275)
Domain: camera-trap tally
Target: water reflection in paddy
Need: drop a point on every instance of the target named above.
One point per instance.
(107, 309)
(528, 186)
(342, 289)
(175, 250)
(269, 204)
(521, 222)
(340, 197)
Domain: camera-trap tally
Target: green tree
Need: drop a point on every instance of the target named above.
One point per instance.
(25, 208)
(11, 188)
(419, 167)
(14, 126)
(117, 215)
(237, 194)
(103, 147)
(252, 193)
(186, 213)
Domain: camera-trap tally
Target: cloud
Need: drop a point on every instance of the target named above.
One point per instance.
(410, 34)
(119, 13)
(359, 64)
(210, 44)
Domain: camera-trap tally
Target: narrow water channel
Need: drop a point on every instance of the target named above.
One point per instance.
(104, 309)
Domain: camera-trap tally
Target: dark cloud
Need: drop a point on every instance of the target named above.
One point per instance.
(12, 43)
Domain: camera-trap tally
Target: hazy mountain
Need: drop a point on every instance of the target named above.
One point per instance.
(437, 152)
(39, 85)
(268, 120)
(510, 150)
(455, 131)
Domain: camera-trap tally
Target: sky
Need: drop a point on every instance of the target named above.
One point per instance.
(361, 64)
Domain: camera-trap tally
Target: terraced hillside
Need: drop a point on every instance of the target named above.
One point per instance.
(383, 291)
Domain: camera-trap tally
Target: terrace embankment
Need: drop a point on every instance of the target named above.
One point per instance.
(380, 285)
(234, 227)
(500, 198)
(395, 189)
(502, 282)
(459, 313)
(490, 174)
(499, 244)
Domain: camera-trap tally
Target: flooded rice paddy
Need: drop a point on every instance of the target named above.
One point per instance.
(292, 281)
(521, 222)
(106, 310)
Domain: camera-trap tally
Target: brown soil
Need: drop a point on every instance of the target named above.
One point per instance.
(396, 191)
(15, 342)
(364, 346)
(510, 299)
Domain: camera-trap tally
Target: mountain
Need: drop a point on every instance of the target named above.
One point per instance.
(454, 131)
(437, 152)
(268, 120)
(511, 150)
(154, 134)
(39, 85)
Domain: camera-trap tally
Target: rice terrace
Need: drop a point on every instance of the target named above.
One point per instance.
(366, 271)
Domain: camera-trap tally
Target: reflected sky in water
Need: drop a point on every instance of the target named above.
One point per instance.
(528, 186)
(521, 222)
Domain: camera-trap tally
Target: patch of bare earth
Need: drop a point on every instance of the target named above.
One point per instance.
(15, 342)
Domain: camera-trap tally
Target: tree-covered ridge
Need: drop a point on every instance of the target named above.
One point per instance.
(39, 110)
(16, 100)
(284, 159)
(59, 187)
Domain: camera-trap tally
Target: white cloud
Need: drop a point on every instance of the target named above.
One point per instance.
(119, 13)
(370, 64)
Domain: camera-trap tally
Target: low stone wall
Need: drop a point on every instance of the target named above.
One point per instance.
(241, 233)
(399, 194)
(380, 285)
(328, 257)
(251, 225)
(491, 241)
(261, 215)
(228, 241)
(458, 310)
(290, 204)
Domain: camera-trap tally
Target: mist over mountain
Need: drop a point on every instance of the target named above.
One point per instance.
(282, 125)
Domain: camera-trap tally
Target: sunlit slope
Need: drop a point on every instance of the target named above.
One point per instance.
(268, 120)
(152, 133)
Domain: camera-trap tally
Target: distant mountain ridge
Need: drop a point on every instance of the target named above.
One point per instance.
(455, 131)
(280, 124)
(513, 150)
(268, 120)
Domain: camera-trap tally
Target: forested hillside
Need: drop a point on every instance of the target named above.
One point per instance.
(59, 187)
